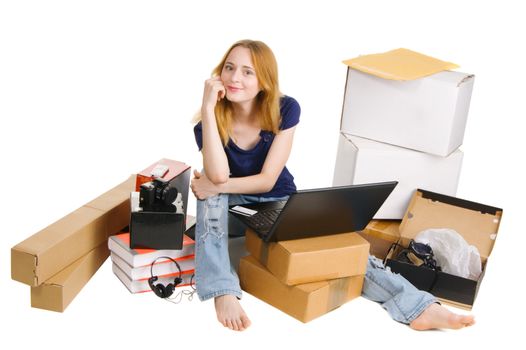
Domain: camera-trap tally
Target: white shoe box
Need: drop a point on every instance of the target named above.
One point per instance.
(428, 114)
(360, 160)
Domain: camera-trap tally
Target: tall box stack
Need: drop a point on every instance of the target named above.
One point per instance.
(403, 118)
(305, 278)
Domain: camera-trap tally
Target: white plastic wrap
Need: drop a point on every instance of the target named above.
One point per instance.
(452, 253)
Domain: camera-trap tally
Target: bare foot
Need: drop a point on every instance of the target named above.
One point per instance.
(437, 316)
(230, 313)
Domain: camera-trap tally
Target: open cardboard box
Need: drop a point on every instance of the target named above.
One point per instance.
(477, 223)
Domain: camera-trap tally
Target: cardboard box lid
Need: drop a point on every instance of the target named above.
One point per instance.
(477, 223)
(399, 64)
(174, 168)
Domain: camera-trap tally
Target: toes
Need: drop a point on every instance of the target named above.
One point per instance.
(230, 324)
(239, 325)
(245, 321)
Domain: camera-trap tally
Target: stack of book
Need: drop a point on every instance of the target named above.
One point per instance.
(133, 266)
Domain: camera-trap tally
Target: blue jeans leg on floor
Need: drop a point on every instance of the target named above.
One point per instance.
(214, 275)
(403, 301)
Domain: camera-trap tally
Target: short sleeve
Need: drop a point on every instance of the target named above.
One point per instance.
(198, 133)
(290, 113)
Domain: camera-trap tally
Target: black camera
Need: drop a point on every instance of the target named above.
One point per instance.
(419, 254)
(158, 196)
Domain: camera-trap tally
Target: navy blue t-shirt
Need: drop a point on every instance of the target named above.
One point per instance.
(250, 162)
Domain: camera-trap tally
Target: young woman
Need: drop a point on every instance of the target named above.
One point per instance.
(245, 135)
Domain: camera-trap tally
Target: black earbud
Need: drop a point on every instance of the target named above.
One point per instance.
(159, 289)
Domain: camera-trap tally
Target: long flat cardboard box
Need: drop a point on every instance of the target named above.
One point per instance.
(58, 292)
(52, 249)
(304, 302)
(311, 259)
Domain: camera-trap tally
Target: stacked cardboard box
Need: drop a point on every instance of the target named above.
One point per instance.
(60, 259)
(305, 278)
(403, 118)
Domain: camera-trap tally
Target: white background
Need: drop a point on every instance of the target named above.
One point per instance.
(93, 91)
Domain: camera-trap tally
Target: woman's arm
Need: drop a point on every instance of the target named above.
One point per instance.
(215, 161)
(263, 182)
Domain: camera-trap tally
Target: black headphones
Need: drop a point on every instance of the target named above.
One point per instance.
(161, 290)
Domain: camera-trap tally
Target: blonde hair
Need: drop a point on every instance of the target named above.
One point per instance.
(267, 100)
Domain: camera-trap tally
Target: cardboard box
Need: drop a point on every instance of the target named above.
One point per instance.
(56, 293)
(311, 259)
(52, 249)
(477, 223)
(428, 113)
(304, 301)
(381, 234)
(363, 161)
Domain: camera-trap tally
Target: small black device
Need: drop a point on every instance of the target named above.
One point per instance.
(160, 289)
(419, 254)
(158, 196)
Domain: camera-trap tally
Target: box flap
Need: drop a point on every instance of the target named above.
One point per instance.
(399, 64)
(174, 168)
(477, 223)
(387, 230)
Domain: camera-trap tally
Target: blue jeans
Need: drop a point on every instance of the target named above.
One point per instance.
(215, 276)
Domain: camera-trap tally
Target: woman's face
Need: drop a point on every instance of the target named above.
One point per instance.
(239, 76)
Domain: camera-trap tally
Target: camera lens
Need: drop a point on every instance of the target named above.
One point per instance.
(167, 194)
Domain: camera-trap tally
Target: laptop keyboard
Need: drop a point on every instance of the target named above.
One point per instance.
(263, 220)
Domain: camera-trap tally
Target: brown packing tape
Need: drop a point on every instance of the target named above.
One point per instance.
(57, 293)
(256, 246)
(338, 290)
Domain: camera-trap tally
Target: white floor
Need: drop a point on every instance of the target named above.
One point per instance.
(93, 91)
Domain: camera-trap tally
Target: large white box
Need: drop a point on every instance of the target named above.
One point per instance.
(360, 160)
(427, 114)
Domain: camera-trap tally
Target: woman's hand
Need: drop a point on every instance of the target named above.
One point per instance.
(202, 187)
(214, 91)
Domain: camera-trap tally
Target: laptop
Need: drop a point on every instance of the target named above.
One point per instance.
(315, 212)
